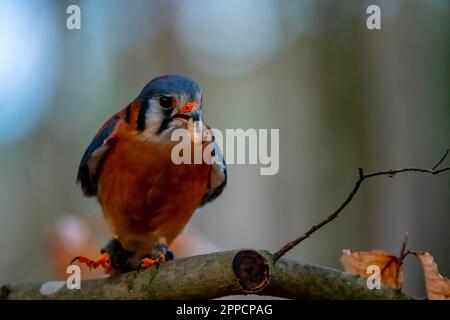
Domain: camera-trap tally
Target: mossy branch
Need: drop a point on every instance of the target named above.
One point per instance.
(227, 273)
(215, 275)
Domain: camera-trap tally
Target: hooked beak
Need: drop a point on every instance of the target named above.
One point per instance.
(189, 111)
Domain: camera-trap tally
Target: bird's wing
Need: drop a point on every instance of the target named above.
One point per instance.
(218, 177)
(92, 158)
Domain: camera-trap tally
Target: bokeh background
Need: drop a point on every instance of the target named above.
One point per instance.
(342, 96)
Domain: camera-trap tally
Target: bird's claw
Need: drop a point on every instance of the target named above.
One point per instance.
(104, 261)
(149, 262)
(160, 255)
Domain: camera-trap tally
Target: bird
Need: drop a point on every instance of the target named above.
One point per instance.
(146, 198)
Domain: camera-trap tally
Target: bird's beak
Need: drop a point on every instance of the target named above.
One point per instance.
(189, 111)
(192, 114)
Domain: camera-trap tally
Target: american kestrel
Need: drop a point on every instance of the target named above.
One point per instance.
(145, 197)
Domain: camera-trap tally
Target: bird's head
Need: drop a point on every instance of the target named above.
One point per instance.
(167, 102)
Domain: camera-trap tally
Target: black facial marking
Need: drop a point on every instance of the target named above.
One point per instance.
(164, 125)
(140, 125)
(128, 114)
(182, 116)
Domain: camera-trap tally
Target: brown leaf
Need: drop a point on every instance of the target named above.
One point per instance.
(438, 287)
(390, 266)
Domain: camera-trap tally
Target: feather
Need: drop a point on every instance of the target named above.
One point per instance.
(218, 176)
(92, 158)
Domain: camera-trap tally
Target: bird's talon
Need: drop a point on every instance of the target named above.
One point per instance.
(150, 263)
(103, 261)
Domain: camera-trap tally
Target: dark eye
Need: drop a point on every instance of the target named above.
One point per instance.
(166, 102)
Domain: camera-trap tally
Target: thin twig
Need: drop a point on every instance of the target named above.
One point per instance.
(390, 173)
(401, 257)
(404, 245)
(441, 160)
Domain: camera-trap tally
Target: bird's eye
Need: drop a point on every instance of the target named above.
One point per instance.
(166, 102)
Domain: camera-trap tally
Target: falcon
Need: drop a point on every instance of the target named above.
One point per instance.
(146, 198)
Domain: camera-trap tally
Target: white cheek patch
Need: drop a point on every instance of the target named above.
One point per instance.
(153, 118)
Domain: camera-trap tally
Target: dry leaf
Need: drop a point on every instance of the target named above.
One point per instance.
(438, 287)
(390, 266)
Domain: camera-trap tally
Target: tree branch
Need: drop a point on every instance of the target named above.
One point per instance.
(212, 276)
(390, 173)
(230, 273)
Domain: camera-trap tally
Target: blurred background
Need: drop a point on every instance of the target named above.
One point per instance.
(342, 96)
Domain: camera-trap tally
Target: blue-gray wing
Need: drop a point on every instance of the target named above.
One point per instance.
(92, 158)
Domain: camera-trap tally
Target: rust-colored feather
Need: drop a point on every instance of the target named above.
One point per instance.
(144, 195)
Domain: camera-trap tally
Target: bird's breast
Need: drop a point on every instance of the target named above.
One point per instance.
(144, 195)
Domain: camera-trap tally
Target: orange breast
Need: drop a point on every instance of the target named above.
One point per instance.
(144, 196)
